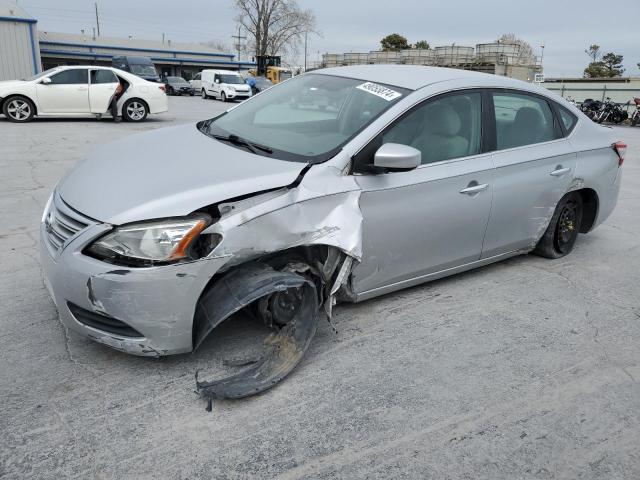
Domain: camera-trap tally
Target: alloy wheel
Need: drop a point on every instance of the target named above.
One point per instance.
(19, 110)
(136, 111)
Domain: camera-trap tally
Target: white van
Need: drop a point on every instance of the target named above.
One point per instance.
(224, 85)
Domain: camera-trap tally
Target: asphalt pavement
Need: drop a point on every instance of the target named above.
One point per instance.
(525, 369)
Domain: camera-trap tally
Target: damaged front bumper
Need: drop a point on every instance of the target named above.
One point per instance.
(95, 298)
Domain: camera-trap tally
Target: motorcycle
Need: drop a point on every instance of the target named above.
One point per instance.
(610, 112)
(591, 108)
(635, 118)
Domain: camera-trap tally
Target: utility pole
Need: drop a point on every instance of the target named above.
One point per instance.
(97, 19)
(163, 39)
(305, 50)
(542, 57)
(239, 38)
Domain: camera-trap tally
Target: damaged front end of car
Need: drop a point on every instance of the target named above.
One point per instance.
(289, 256)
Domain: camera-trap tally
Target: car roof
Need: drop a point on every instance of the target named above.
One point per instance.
(414, 77)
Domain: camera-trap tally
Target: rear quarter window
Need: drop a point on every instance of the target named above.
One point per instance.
(567, 118)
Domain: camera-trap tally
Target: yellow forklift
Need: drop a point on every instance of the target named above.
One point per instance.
(269, 66)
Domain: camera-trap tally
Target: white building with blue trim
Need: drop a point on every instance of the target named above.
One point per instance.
(25, 51)
(19, 52)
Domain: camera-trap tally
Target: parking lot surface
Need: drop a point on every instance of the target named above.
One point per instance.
(524, 369)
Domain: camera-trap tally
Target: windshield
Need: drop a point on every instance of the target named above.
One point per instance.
(42, 74)
(179, 80)
(308, 118)
(232, 79)
(263, 82)
(146, 70)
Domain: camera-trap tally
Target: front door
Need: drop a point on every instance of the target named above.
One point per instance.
(432, 218)
(68, 92)
(534, 168)
(101, 89)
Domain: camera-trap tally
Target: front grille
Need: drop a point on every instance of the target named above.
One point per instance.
(103, 322)
(62, 224)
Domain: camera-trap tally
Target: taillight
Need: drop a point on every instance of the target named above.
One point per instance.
(162, 87)
(621, 150)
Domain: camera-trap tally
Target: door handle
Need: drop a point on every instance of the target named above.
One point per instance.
(473, 189)
(83, 89)
(558, 172)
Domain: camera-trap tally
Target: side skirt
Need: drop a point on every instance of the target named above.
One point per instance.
(376, 292)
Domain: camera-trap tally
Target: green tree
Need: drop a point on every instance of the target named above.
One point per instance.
(613, 64)
(594, 52)
(395, 41)
(596, 70)
(422, 45)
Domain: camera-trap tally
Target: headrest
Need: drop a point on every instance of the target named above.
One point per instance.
(529, 116)
(442, 120)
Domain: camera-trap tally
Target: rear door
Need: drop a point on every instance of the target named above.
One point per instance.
(68, 92)
(102, 87)
(534, 165)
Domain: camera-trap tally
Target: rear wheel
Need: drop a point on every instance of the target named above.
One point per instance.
(204, 94)
(134, 110)
(561, 234)
(19, 109)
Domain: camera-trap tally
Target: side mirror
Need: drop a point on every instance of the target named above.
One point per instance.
(217, 81)
(395, 156)
(46, 81)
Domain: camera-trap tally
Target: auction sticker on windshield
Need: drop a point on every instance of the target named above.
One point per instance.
(379, 91)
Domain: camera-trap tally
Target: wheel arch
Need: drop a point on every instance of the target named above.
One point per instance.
(130, 99)
(590, 206)
(14, 95)
(313, 255)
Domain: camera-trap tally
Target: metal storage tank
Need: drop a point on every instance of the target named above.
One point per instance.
(503, 53)
(19, 51)
(356, 58)
(454, 55)
(380, 56)
(332, 59)
(417, 56)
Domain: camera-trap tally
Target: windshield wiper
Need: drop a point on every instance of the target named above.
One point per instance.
(235, 139)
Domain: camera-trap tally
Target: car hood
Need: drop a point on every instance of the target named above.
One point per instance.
(165, 173)
(9, 84)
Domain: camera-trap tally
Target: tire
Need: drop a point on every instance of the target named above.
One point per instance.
(19, 109)
(204, 94)
(223, 97)
(192, 94)
(561, 234)
(134, 110)
(635, 119)
(170, 91)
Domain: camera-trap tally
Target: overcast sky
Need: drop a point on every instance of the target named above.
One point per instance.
(566, 27)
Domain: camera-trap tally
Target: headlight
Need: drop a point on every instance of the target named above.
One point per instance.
(233, 89)
(150, 243)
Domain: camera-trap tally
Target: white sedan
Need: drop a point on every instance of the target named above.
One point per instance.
(81, 91)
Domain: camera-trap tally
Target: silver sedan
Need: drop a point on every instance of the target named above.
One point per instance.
(335, 186)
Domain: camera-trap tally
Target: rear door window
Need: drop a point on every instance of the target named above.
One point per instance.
(75, 76)
(103, 76)
(522, 119)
